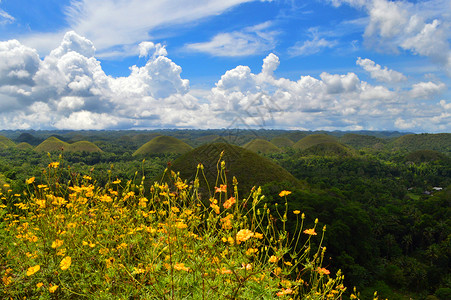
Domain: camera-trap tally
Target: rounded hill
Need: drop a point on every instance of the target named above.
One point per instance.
(24, 146)
(359, 141)
(329, 149)
(163, 144)
(53, 144)
(249, 168)
(262, 146)
(282, 142)
(411, 142)
(6, 143)
(422, 156)
(314, 139)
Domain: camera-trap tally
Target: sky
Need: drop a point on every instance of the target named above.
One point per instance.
(280, 64)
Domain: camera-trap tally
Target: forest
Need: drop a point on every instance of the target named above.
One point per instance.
(384, 197)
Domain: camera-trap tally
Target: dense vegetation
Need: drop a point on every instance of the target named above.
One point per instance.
(385, 197)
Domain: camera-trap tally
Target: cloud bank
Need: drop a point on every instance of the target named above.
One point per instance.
(68, 89)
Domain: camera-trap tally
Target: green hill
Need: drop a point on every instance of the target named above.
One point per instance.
(248, 167)
(329, 149)
(411, 142)
(282, 142)
(421, 156)
(83, 146)
(262, 146)
(163, 144)
(53, 144)
(358, 141)
(6, 143)
(24, 146)
(314, 139)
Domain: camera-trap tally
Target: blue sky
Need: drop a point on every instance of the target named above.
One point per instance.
(285, 64)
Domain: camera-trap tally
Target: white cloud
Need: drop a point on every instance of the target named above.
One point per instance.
(68, 89)
(250, 41)
(18, 63)
(425, 90)
(310, 47)
(376, 71)
(422, 27)
(115, 25)
(5, 18)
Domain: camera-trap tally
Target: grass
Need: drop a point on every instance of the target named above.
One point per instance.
(6, 143)
(163, 144)
(76, 240)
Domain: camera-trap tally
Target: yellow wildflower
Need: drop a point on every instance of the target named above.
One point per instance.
(221, 189)
(284, 193)
(65, 263)
(310, 231)
(227, 204)
(39, 284)
(296, 212)
(57, 243)
(243, 235)
(273, 259)
(30, 180)
(323, 271)
(54, 165)
(181, 267)
(32, 270)
(53, 288)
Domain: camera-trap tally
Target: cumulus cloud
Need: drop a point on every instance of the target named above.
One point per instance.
(18, 63)
(379, 73)
(425, 90)
(250, 41)
(69, 89)
(421, 27)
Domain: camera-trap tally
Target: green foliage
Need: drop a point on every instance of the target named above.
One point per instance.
(6, 143)
(282, 142)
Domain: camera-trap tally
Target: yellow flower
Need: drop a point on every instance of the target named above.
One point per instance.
(296, 212)
(310, 231)
(40, 284)
(323, 271)
(284, 193)
(175, 209)
(53, 288)
(57, 243)
(221, 189)
(117, 181)
(229, 202)
(272, 259)
(243, 235)
(32, 270)
(65, 263)
(30, 180)
(54, 165)
(181, 267)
